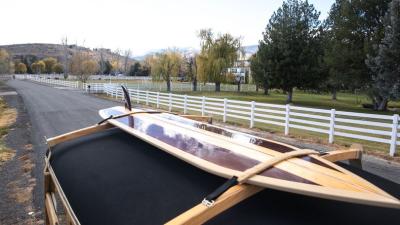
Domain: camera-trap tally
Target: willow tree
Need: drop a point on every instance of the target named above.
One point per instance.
(216, 56)
(165, 66)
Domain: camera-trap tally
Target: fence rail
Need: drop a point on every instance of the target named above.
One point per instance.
(332, 123)
(369, 127)
(57, 82)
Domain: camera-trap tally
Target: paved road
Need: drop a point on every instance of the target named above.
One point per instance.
(54, 111)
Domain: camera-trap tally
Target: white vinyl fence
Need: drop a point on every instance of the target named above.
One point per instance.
(362, 126)
(150, 85)
(56, 82)
(369, 127)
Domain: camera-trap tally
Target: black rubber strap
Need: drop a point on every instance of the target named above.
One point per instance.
(221, 189)
(104, 120)
(127, 114)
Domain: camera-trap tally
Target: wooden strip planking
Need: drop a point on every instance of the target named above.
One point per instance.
(327, 172)
(273, 152)
(294, 187)
(306, 174)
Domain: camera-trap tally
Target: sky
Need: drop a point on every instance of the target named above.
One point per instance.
(138, 25)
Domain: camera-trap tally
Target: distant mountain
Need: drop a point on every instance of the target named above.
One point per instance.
(40, 51)
(187, 51)
(190, 51)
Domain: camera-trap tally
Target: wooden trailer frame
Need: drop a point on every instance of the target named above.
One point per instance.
(197, 215)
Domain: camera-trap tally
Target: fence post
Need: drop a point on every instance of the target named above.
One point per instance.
(253, 105)
(137, 96)
(393, 141)
(225, 106)
(203, 103)
(185, 105)
(147, 97)
(158, 100)
(170, 102)
(332, 126)
(287, 116)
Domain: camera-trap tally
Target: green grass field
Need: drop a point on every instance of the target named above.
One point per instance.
(344, 102)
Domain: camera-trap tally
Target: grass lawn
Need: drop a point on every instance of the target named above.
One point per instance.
(345, 102)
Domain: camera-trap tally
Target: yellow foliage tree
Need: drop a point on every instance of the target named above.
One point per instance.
(6, 66)
(20, 68)
(58, 68)
(49, 63)
(38, 67)
(217, 55)
(166, 65)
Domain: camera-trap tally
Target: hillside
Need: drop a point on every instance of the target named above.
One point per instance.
(189, 51)
(39, 51)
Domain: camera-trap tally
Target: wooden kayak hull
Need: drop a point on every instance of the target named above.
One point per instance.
(316, 177)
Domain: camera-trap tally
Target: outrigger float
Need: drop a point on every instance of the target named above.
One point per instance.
(77, 170)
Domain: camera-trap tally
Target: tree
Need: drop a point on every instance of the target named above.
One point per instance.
(38, 67)
(20, 68)
(352, 29)
(107, 67)
(127, 55)
(258, 72)
(191, 70)
(385, 66)
(165, 66)
(58, 68)
(134, 69)
(64, 42)
(6, 66)
(217, 55)
(83, 65)
(49, 62)
(89, 67)
(292, 47)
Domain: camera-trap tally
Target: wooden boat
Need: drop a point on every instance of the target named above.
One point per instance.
(227, 153)
(251, 164)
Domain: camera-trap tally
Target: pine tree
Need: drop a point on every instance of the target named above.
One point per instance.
(385, 66)
(292, 47)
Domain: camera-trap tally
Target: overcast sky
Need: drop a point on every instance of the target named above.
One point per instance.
(138, 25)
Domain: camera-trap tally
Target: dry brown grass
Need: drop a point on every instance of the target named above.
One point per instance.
(8, 117)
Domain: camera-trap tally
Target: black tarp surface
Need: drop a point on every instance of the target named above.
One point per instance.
(113, 178)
